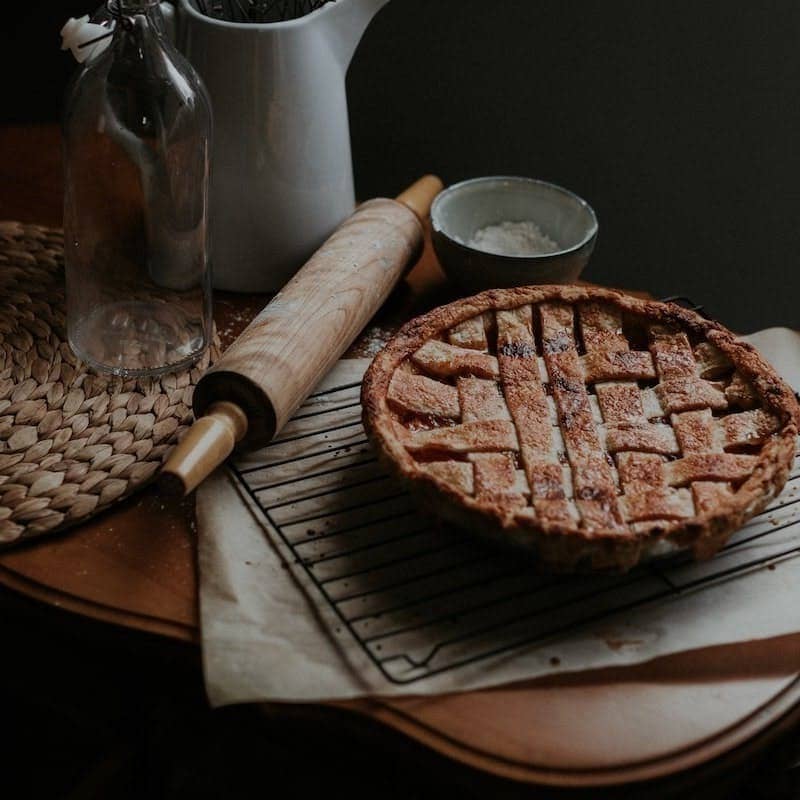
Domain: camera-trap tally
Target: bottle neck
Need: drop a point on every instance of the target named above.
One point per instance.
(131, 6)
(137, 14)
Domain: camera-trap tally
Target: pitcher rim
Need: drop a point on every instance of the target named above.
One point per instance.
(286, 23)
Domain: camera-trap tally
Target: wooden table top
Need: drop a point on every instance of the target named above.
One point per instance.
(135, 566)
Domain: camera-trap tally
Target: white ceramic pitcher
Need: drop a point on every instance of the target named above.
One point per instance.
(281, 172)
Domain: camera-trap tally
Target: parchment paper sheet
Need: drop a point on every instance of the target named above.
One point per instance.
(268, 633)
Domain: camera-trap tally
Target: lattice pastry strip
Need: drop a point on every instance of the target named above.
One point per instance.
(711, 361)
(684, 394)
(627, 431)
(527, 402)
(699, 433)
(608, 354)
(696, 432)
(470, 334)
(481, 399)
(747, 429)
(601, 328)
(482, 436)
(672, 354)
(710, 495)
(702, 438)
(419, 394)
(649, 438)
(592, 475)
(680, 388)
(458, 474)
(446, 360)
(619, 365)
(496, 479)
(641, 469)
(462, 475)
(709, 467)
(647, 497)
(626, 426)
(495, 476)
(649, 505)
(620, 403)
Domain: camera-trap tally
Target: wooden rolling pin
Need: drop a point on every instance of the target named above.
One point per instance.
(250, 393)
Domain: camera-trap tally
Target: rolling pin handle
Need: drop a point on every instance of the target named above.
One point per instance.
(420, 195)
(208, 443)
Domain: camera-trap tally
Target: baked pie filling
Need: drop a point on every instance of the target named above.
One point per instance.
(591, 426)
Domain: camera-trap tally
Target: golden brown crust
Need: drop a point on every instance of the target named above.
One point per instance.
(558, 541)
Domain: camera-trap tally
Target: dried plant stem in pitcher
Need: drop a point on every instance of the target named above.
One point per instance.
(258, 11)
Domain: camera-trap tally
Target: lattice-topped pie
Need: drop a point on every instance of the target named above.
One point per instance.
(589, 425)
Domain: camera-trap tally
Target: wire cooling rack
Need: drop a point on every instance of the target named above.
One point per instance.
(419, 598)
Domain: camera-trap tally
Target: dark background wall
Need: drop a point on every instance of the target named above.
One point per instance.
(678, 121)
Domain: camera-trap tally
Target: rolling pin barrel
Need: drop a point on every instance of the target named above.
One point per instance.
(250, 393)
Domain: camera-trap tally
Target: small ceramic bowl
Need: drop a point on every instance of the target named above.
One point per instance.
(462, 209)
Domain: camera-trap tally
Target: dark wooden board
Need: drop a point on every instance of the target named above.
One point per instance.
(686, 717)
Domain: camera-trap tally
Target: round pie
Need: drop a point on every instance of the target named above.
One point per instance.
(595, 428)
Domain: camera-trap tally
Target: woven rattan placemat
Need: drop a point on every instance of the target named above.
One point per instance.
(72, 442)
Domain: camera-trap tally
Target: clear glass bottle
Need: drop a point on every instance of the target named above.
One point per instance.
(136, 132)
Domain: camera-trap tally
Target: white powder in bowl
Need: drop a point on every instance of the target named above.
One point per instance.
(513, 239)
